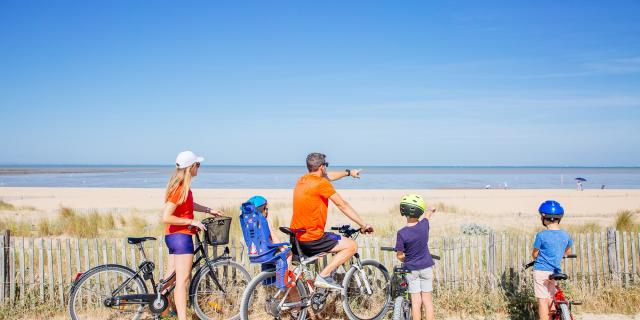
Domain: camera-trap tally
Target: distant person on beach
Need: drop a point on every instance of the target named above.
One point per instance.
(177, 217)
(549, 247)
(310, 203)
(412, 248)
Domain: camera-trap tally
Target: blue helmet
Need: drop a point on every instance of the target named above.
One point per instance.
(552, 209)
(257, 201)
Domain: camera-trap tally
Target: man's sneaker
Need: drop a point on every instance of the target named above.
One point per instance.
(327, 283)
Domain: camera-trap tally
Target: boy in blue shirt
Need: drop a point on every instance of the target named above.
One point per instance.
(549, 247)
(412, 249)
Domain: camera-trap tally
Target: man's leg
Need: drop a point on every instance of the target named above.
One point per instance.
(344, 250)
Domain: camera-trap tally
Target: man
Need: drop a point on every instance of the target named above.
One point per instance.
(310, 204)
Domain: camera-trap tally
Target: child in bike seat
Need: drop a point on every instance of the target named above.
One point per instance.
(549, 247)
(262, 206)
(413, 250)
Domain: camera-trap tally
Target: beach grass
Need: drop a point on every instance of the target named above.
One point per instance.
(625, 220)
(6, 206)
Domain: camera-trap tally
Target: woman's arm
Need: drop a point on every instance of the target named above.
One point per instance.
(169, 218)
(201, 208)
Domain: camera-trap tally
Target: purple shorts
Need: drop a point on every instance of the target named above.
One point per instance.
(179, 243)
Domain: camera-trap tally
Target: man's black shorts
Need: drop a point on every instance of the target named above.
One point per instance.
(325, 244)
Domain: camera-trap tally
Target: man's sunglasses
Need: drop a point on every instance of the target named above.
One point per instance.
(326, 164)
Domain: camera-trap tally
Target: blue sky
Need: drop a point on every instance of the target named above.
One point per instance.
(371, 83)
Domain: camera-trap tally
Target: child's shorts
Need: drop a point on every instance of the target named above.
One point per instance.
(542, 286)
(420, 280)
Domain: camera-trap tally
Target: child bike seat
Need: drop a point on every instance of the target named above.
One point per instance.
(133, 240)
(558, 276)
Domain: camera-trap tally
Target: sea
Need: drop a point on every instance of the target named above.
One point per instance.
(285, 177)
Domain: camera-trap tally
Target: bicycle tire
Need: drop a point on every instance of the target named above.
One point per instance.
(386, 292)
(97, 271)
(398, 309)
(246, 302)
(223, 310)
(565, 313)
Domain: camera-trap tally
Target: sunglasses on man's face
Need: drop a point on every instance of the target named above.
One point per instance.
(326, 164)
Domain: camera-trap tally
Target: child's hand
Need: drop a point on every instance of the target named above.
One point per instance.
(432, 209)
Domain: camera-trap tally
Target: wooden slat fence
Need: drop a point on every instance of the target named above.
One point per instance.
(42, 269)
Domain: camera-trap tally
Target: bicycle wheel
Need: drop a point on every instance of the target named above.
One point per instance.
(565, 314)
(209, 302)
(261, 299)
(357, 302)
(398, 309)
(94, 286)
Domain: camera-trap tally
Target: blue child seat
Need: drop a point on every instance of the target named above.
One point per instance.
(260, 249)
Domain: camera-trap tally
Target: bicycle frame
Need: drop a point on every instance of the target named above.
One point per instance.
(145, 269)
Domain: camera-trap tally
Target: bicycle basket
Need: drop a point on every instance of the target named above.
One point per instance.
(217, 230)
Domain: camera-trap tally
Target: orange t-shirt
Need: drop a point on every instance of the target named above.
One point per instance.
(183, 210)
(310, 203)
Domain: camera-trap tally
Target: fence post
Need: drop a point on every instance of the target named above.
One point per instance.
(6, 235)
(625, 258)
(612, 253)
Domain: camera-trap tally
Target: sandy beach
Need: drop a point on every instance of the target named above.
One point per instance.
(499, 209)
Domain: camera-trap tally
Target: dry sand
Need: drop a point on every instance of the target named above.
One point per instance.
(500, 209)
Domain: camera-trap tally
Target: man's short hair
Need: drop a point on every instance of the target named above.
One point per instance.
(315, 160)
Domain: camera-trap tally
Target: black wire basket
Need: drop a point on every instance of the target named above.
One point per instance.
(217, 230)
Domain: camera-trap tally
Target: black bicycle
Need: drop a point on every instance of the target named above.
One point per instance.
(399, 294)
(113, 291)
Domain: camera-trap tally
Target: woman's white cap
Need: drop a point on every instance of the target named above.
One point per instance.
(186, 159)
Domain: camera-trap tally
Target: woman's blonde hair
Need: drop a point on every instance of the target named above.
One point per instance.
(180, 177)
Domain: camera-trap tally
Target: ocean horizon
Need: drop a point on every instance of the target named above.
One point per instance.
(285, 176)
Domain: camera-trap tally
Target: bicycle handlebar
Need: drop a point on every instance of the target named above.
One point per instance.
(394, 250)
(531, 263)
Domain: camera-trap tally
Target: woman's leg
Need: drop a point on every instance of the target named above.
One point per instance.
(427, 300)
(183, 264)
(416, 306)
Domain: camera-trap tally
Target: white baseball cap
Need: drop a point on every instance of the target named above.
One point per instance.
(186, 159)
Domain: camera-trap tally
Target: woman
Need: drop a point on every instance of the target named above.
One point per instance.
(177, 216)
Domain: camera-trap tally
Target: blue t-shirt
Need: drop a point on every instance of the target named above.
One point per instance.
(552, 245)
(413, 241)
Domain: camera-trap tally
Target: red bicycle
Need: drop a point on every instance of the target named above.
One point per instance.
(560, 308)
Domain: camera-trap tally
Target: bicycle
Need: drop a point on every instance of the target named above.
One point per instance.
(560, 308)
(122, 292)
(399, 293)
(364, 292)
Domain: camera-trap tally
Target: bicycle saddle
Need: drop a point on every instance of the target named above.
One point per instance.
(558, 276)
(133, 240)
(292, 232)
(401, 269)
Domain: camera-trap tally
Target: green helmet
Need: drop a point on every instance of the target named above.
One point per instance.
(412, 205)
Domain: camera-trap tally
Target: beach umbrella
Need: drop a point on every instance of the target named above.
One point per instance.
(581, 179)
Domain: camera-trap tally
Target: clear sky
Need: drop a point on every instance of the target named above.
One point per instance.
(366, 82)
